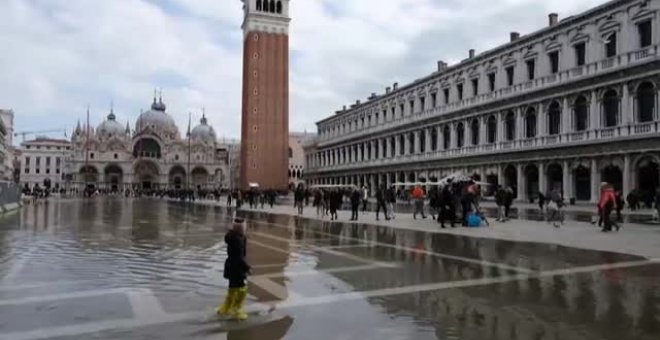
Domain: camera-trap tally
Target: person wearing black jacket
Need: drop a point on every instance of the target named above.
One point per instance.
(380, 202)
(356, 197)
(447, 206)
(236, 271)
(335, 203)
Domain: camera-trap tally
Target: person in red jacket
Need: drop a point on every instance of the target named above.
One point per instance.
(606, 204)
(418, 196)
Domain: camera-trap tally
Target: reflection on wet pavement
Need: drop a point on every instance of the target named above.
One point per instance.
(144, 269)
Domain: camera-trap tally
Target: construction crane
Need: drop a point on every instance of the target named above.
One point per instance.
(28, 133)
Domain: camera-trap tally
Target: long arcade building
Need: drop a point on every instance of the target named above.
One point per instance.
(566, 107)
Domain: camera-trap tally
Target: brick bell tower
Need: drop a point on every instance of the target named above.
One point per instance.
(265, 111)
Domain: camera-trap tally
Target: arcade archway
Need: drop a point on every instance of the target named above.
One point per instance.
(532, 180)
(89, 175)
(177, 177)
(113, 177)
(582, 183)
(511, 178)
(146, 175)
(555, 177)
(612, 174)
(199, 177)
(648, 176)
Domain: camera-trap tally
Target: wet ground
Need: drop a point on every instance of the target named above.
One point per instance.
(149, 269)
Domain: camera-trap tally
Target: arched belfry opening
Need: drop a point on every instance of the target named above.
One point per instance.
(279, 7)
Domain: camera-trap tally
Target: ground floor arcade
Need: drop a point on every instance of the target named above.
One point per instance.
(577, 177)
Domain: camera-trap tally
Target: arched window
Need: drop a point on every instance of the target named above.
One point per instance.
(645, 102)
(510, 122)
(446, 137)
(491, 129)
(402, 143)
(272, 6)
(474, 127)
(554, 119)
(289, 173)
(530, 123)
(434, 139)
(290, 153)
(279, 7)
(392, 145)
(259, 9)
(580, 110)
(610, 108)
(411, 143)
(460, 135)
(298, 174)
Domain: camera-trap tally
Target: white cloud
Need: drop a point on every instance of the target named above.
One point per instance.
(61, 55)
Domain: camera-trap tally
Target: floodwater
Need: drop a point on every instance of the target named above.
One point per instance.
(111, 268)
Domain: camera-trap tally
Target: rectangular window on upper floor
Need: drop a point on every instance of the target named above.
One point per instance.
(412, 106)
(401, 110)
(422, 103)
(509, 75)
(475, 87)
(384, 115)
(459, 90)
(368, 121)
(377, 118)
(434, 99)
(610, 46)
(531, 67)
(580, 54)
(554, 61)
(491, 82)
(446, 95)
(644, 29)
(393, 112)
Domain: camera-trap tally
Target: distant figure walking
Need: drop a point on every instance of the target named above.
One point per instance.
(418, 196)
(380, 202)
(606, 204)
(356, 197)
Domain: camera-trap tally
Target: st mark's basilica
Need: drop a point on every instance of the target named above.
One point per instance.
(152, 155)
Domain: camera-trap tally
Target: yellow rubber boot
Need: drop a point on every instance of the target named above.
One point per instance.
(238, 312)
(227, 307)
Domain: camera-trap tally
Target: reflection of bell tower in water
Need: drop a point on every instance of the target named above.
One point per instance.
(265, 111)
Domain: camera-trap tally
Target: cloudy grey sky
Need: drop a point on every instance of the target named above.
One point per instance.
(60, 55)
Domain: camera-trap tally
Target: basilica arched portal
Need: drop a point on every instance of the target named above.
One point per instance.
(146, 174)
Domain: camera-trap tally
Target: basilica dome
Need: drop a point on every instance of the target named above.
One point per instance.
(110, 127)
(203, 132)
(157, 119)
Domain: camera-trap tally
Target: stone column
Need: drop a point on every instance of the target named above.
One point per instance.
(520, 124)
(441, 138)
(467, 133)
(388, 147)
(500, 175)
(417, 142)
(372, 184)
(397, 145)
(595, 181)
(522, 190)
(627, 177)
(541, 121)
(594, 111)
(427, 140)
(625, 114)
(543, 186)
(566, 180)
(565, 117)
